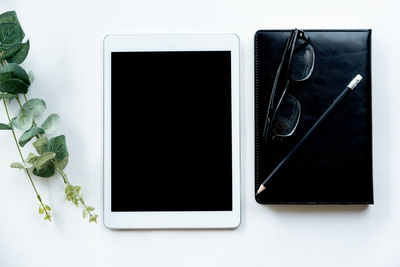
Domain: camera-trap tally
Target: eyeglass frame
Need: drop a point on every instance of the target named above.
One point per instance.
(295, 35)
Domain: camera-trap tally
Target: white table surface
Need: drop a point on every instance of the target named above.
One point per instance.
(66, 56)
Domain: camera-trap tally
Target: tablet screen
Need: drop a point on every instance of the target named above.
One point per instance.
(171, 131)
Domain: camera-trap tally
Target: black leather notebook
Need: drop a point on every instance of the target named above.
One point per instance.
(334, 165)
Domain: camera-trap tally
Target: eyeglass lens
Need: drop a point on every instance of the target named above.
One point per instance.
(302, 60)
(287, 117)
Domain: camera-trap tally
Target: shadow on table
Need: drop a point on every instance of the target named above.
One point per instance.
(317, 208)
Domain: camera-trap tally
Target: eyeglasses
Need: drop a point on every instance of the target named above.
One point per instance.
(297, 64)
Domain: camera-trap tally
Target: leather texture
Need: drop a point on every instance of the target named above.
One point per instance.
(334, 165)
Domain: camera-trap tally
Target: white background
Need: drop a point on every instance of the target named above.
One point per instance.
(66, 56)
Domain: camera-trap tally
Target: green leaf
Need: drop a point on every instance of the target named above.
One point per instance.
(58, 146)
(32, 158)
(46, 171)
(69, 189)
(27, 165)
(5, 96)
(50, 125)
(14, 36)
(34, 106)
(47, 207)
(77, 188)
(23, 165)
(31, 76)
(16, 72)
(43, 159)
(47, 217)
(11, 50)
(90, 208)
(62, 163)
(41, 210)
(16, 53)
(93, 218)
(23, 122)
(10, 17)
(14, 79)
(29, 134)
(13, 86)
(5, 126)
(85, 213)
(10, 33)
(16, 165)
(4, 76)
(40, 145)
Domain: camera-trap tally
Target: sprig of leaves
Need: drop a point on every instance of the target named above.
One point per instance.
(25, 165)
(52, 154)
(46, 211)
(73, 194)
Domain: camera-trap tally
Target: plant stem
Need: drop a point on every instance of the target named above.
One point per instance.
(64, 176)
(22, 158)
(12, 129)
(3, 63)
(26, 99)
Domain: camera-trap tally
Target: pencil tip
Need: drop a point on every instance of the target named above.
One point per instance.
(260, 189)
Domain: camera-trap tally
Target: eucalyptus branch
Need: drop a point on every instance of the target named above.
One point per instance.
(52, 154)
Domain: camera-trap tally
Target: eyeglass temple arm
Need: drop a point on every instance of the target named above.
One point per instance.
(271, 99)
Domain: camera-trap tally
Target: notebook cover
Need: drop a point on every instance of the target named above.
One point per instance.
(334, 165)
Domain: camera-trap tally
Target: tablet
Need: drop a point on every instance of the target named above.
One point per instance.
(171, 131)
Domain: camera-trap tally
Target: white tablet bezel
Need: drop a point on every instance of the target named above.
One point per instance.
(185, 219)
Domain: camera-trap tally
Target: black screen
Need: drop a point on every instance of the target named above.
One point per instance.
(171, 131)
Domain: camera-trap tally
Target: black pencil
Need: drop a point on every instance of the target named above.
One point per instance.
(339, 98)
